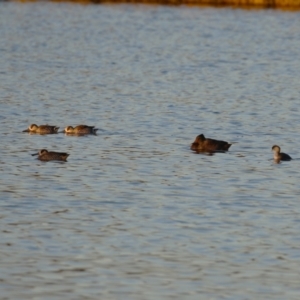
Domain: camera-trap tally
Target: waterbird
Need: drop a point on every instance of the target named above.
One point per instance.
(204, 144)
(278, 156)
(81, 129)
(45, 155)
(42, 129)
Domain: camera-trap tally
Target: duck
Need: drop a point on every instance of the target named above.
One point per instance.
(203, 144)
(42, 129)
(278, 156)
(81, 129)
(45, 155)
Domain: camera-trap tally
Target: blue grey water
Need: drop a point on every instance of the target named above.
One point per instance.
(134, 214)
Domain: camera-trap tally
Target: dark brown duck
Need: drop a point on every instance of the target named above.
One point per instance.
(45, 155)
(203, 144)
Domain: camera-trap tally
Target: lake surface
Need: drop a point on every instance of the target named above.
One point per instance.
(134, 214)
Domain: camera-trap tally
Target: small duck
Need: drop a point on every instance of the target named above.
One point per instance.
(278, 156)
(42, 129)
(203, 144)
(81, 129)
(45, 155)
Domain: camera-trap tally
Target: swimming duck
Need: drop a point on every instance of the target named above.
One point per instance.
(209, 145)
(280, 155)
(81, 129)
(45, 155)
(42, 129)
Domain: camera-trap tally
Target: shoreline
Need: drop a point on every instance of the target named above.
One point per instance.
(245, 4)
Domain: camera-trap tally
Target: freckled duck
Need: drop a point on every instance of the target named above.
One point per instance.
(42, 129)
(81, 129)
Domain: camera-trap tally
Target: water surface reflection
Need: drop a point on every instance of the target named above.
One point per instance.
(134, 213)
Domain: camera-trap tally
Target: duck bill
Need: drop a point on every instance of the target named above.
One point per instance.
(35, 154)
(26, 130)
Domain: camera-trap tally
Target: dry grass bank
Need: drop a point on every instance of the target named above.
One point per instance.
(283, 4)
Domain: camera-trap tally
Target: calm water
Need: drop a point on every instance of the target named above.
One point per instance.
(134, 214)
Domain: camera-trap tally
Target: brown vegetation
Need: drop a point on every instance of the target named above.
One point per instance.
(288, 4)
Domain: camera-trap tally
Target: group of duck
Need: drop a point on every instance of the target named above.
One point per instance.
(201, 143)
(45, 155)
